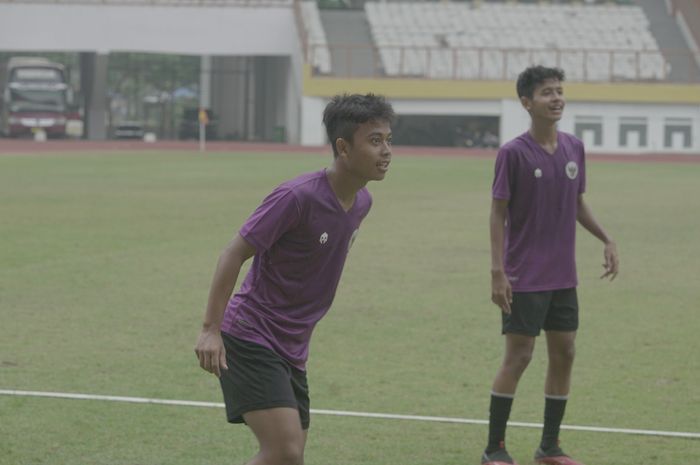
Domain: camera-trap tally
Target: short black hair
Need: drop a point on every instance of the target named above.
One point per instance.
(344, 113)
(533, 76)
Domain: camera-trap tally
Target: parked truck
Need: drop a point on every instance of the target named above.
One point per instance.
(37, 97)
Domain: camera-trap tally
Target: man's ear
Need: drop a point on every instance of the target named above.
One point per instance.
(342, 146)
(526, 103)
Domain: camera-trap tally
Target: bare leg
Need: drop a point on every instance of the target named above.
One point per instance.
(561, 350)
(516, 359)
(518, 353)
(279, 434)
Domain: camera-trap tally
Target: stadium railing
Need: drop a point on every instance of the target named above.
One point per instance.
(490, 63)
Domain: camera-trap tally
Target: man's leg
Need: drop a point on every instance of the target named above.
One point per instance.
(561, 350)
(517, 357)
(280, 435)
(518, 354)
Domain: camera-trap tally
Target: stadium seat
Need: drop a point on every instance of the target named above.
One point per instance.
(317, 43)
(598, 42)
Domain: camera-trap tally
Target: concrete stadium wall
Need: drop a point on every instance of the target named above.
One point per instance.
(610, 105)
(157, 29)
(514, 120)
(613, 117)
(263, 42)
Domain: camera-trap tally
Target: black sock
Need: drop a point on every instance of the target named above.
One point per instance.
(553, 414)
(499, 412)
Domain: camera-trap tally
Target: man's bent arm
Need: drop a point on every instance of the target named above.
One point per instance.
(209, 349)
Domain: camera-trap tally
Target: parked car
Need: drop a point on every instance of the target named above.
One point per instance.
(129, 130)
(189, 126)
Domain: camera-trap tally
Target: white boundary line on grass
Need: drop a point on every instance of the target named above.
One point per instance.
(342, 413)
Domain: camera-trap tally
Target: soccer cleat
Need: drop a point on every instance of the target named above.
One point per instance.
(498, 457)
(553, 456)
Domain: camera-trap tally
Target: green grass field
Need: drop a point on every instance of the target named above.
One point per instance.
(105, 263)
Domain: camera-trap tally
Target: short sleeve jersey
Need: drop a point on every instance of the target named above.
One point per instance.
(302, 236)
(542, 190)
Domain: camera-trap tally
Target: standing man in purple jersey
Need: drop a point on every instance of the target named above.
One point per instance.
(257, 341)
(538, 188)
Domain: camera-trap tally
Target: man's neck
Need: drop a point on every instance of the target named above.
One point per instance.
(344, 186)
(544, 134)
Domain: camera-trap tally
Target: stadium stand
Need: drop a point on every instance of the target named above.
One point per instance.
(317, 43)
(599, 42)
(687, 15)
(236, 3)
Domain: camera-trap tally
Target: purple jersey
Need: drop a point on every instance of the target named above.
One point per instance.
(542, 190)
(302, 236)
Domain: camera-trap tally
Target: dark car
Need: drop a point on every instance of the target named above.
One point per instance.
(189, 126)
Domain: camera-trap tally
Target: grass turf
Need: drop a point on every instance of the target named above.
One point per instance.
(105, 266)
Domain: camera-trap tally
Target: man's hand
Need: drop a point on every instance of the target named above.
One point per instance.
(210, 352)
(612, 261)
(501, 291)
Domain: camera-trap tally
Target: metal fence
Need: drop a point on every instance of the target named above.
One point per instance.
(488, 63)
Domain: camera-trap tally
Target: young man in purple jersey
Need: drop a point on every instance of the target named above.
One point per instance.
(540, 178)
(257, 341)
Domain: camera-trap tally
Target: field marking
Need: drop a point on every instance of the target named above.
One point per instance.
(343, 413)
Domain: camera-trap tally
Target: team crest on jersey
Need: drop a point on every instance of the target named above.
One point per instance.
(324, 238)
(538, 173)
(572, 170)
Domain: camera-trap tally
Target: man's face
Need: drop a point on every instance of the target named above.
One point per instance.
(369, 155)
(547, 102)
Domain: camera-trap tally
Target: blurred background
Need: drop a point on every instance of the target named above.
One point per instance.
(262, 70)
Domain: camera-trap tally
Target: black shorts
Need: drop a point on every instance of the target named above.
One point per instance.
(257, 379)
(549, 310)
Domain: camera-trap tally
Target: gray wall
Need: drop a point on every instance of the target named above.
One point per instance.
(256, 55)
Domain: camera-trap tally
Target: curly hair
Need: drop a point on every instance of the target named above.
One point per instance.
(533, 76)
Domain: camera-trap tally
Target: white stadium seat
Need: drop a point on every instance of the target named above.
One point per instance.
(497, 40)
(317, 43)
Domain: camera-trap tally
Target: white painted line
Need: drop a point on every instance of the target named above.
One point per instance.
(136, 400)
(468, 421)
(343, 413)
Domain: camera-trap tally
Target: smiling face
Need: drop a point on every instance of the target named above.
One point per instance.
(547, 102)
(368, 156)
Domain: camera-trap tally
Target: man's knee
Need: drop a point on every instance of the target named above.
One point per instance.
(562, 352)
(565, 354)
(287, 453)
(519, 357)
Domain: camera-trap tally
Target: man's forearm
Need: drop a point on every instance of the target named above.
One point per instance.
(497, 226)
(588, 221)
(223, 282)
